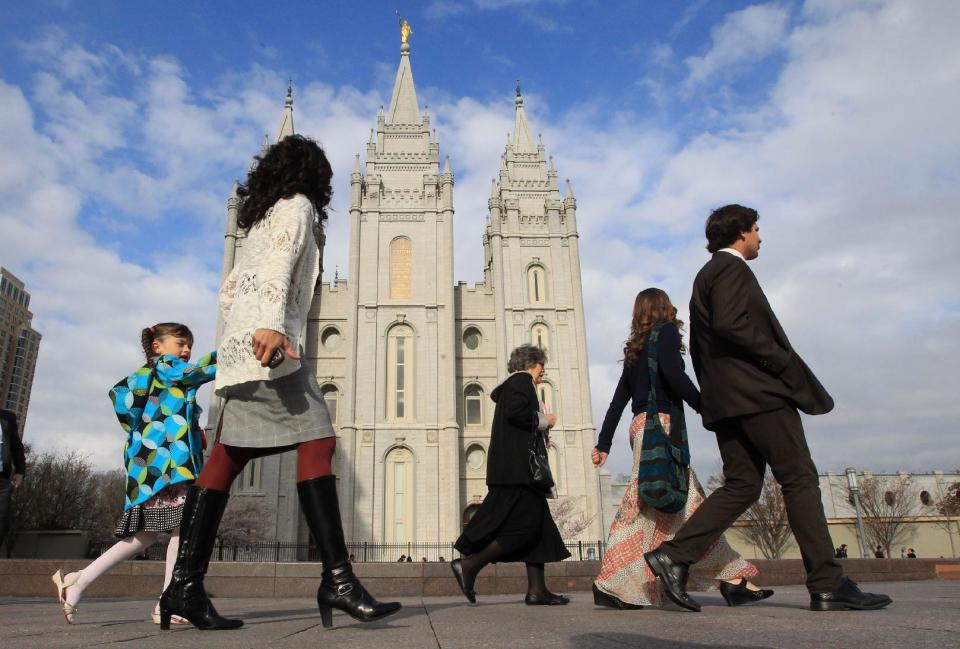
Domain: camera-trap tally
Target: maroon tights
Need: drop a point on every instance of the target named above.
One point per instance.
(226, 462)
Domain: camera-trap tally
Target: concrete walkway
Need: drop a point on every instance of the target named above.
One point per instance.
(924, 614)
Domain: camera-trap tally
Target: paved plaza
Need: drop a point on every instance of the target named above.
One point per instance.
(924, 614)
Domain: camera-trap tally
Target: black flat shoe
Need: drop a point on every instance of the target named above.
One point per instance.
(550, 599)
(847, 596)
(457, 567)
(601, 598)
(738, 595)
(673, 576)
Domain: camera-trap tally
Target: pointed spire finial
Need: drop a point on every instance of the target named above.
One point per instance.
(370, 141)
(446, 165)
(493, 188)
(290, 92)
(553, 169)
(356, 164)
(569, 193)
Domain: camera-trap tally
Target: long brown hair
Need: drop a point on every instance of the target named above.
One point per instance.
(651, 307)
(160, 331)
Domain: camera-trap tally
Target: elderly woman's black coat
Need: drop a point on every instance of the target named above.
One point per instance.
(516, 416)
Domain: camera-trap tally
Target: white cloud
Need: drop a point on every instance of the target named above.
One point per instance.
(851, 161)
(747, 35)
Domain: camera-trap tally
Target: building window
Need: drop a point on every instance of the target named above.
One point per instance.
(540, 336)
(472, 338)
(251, 480)
(401, 267)
(399, 497)
(925, 498)
(545, 392)
(400, 373)
(889, 498)
(537, 284)
(331, 396)
(476, 456)
(473, 405)
(330, 338)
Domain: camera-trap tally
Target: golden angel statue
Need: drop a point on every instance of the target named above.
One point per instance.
(405, 29)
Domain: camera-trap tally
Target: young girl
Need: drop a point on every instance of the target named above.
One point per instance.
(156, 406)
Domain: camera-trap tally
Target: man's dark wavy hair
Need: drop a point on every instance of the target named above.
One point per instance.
(294, 165)
(725, 224)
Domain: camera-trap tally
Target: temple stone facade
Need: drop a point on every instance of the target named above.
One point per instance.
(407, 357)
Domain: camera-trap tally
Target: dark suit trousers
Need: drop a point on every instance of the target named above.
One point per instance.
(747, 445)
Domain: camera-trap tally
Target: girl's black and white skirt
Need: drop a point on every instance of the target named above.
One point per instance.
(161, 513)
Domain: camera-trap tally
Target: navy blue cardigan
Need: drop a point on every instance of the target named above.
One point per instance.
(673, 384)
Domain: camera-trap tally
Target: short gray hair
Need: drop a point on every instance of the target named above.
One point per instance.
(526, 356)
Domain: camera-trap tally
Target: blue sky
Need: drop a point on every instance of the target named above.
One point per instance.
(123, 126)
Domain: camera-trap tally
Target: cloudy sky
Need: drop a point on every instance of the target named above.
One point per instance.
(123, 126)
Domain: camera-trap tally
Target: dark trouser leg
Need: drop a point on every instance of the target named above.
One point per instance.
(778, 435)
(6, 508)
(743, 468)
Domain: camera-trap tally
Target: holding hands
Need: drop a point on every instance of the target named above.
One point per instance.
(599, 458)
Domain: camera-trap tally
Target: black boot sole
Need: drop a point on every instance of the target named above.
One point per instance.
(848, 606)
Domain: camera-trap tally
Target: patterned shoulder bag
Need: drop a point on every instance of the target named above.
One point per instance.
(662, 477)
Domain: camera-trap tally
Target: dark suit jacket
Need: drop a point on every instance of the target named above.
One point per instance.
(514, 420)
(13, 458)
(741, 355)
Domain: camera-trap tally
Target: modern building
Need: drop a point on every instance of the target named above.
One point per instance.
(407, 357)
(19, 344)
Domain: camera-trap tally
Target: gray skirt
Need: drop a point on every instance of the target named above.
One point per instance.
(281, 412)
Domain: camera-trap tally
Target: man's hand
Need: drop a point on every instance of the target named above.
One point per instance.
(599, 458)
(551, 420)
(267, 341)
(16, 480)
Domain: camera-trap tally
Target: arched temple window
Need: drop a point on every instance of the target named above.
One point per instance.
(536, 284)
(399, 497)
(400, 373)
(401, 268)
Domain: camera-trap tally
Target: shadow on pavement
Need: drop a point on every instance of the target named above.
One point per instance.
(620, 640)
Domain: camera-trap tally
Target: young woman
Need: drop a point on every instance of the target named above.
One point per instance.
(625, 581)
(272, 402)
(156, 406)
(514, 522)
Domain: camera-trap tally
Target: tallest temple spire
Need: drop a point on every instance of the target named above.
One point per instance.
(404, 108)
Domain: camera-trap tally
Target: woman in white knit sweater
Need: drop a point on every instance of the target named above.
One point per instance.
(272, 402)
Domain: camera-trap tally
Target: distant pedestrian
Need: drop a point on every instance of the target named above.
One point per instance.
(441, 559)
(841, 552)
(878, 553)
(163, 454)
(402, 558)
(514, 522)
(14, 466)
(409, 559)
(911, 554)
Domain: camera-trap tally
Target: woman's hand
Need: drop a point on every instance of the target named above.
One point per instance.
(599, 458)
(551, 420)
(267, 341)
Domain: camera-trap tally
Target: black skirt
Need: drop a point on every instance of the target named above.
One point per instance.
(519, 519)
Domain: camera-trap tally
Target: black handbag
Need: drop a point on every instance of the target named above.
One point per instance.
(541, 477)
(662, 477)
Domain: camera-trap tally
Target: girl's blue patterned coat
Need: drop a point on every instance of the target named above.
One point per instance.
(157, 407)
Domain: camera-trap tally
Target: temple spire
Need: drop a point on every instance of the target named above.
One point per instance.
(286, 122)
(404, 108)
(522, 143)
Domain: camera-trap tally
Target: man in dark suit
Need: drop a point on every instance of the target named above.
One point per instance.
(12, 467)
(752, 384)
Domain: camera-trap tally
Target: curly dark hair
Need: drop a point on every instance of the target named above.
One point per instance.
(651, 307)
(524, 357)
(725, 224)
(294, 165)
(160, 331)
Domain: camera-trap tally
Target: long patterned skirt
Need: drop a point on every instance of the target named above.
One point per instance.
(638, 528)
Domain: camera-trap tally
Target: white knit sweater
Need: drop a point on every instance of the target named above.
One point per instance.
(271, 287)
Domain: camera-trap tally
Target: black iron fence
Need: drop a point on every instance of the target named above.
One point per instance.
(360, 552)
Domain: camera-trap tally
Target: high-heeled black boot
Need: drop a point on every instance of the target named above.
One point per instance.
(339, 587)
(185, 596)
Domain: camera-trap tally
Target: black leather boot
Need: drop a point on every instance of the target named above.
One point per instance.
(185, 595)
(339, 587)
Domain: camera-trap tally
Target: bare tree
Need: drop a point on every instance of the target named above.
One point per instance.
(947, 507)
(568, 516)
(888, 506)
(244, 522)
(765, 524)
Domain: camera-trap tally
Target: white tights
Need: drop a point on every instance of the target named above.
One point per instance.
(121, 551)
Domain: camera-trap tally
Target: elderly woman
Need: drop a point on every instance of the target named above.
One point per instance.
(514, 523)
